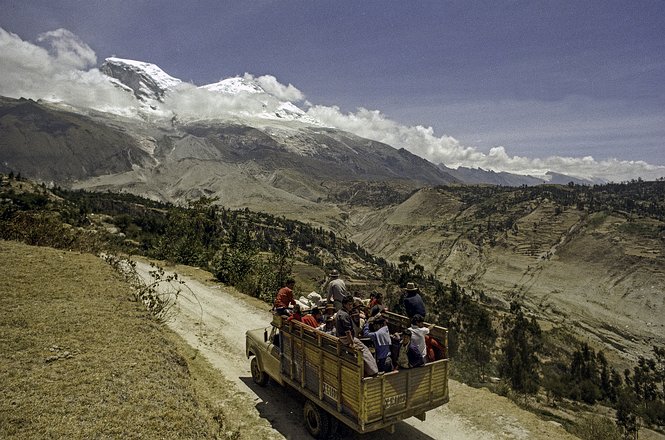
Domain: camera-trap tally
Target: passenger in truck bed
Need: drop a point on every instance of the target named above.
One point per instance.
(284, 298)
(343, 322)
(336, 290)
(408, 355)
(418, 333)
(380, 336)
(412, 301)
(357, 320)
(376, 305)
(296, 315)
(329, 326)
(435, 351)
(345, 332)
(312, 318)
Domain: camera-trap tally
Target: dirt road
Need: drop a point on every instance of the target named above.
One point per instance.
(214, 320)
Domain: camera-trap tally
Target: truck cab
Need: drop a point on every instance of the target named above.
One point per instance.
(262, 347)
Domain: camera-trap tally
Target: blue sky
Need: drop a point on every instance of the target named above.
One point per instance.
(539, 78)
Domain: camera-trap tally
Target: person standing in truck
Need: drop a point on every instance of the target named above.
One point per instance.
(343, 321)
(336, 289)
(284, 298)
(380, 336)
(412, 301)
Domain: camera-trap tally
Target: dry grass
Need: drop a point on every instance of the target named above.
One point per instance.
(79, 359)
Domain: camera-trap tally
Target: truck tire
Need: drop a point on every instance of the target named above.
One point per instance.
(258, 376)
(317, 421)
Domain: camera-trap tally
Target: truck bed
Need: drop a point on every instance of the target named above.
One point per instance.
(331, 374)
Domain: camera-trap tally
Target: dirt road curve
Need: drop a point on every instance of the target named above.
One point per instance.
(216, 322)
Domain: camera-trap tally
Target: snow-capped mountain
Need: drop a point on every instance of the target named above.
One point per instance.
(234, 86)
(272, 107)
(146, 80)
(151, 85)
(241, 119)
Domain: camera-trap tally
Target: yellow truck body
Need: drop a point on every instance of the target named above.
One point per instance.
(331, 375)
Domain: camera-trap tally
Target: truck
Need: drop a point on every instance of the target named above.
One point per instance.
(330, 376)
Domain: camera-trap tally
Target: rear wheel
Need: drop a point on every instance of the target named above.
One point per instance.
(258, 376)
(317, 421)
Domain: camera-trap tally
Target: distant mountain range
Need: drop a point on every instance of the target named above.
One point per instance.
(267, 141)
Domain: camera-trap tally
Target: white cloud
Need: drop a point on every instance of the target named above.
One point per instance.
(30, 71)
(58, 73)
(67, 49)
(270, 84)
(191, 102)
(421, 141)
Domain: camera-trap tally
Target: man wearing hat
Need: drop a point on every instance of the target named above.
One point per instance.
(336, 289)
(408, 355)
(329, 311)
(329, 326)
(412, 301)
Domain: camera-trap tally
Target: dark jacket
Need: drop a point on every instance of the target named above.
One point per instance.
(415, 358)
(413, 304)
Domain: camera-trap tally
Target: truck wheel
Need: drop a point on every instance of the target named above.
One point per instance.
(317, 421)
(259, 377)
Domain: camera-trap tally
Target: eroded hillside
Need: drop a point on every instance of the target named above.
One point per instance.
(589, 258)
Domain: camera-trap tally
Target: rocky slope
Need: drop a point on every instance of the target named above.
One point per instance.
(597, 272)
(51, 145)
(261, 165)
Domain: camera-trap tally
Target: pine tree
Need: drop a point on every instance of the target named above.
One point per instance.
(523, 341)
(626, 415)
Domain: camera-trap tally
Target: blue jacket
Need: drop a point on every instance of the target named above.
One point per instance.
(381, 340)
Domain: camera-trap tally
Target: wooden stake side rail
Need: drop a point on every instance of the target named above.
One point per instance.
(399, 322)
(331, 374)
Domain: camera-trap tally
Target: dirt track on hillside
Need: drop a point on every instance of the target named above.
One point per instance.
(214, 320)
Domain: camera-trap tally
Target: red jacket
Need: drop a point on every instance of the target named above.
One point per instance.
(295, 317)
(435, 350)
(310, 321)
(284, 298)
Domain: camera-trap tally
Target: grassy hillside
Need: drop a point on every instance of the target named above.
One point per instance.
(79, 358)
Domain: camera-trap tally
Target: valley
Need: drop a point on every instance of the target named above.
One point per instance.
(588, 272)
